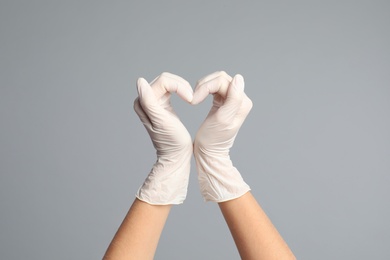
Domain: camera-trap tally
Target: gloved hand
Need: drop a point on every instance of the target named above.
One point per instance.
(168, 179)
(219, 180)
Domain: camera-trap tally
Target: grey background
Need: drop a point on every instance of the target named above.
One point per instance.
(315, 148)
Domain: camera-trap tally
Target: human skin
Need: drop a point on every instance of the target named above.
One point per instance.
(254, 234)
(139, 233)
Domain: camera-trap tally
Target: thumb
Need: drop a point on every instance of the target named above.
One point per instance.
(234, 98)
(147, 98)
(145, 93)
(149, 101)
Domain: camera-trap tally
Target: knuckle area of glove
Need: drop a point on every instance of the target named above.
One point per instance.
(136, 105)
(166, 79)
(247, 104)
(224, 77)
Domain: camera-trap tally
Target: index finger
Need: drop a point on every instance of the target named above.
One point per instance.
(168, 83)
(215, 83)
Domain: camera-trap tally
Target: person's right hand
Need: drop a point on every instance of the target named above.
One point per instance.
(219, 180)
(168, 180)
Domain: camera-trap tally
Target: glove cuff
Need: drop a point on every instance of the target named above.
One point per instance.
(165, 186)
(219, 180)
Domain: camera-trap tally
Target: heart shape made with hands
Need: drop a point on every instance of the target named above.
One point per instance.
(229, 109)
(174, 145)
(165, 84)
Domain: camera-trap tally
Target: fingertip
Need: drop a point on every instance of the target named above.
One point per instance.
(199, 95)
(239, 77)
(141, 82)
(183, 90)
(238, 82)
(189, 92)
(188, 97)
(194, 101)
(145, 92)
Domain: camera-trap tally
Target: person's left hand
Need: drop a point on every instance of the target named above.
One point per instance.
(218, 179)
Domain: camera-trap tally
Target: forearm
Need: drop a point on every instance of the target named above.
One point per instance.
(166, 183)
(254, 234)
(139, 233)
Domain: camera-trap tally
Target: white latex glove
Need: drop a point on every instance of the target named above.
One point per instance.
(167, 182)
(219, 180)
